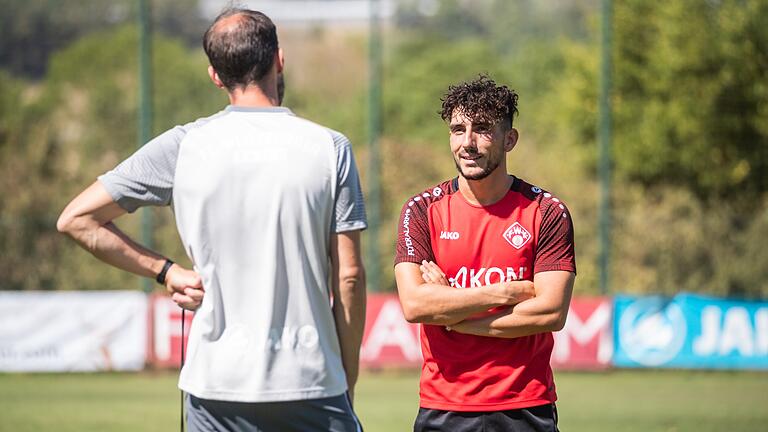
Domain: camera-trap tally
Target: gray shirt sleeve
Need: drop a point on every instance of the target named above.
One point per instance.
(146, 177)
(350, 208)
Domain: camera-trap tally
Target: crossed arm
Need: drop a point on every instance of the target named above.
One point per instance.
(540, 306)
(88, 220)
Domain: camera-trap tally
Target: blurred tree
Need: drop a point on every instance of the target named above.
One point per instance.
(690, 143)
(690, 132)
(421, 71)
(80, 123)
(507, 25)
(691, 96)
(32, 30)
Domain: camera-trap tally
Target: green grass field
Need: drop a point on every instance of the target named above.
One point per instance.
(613, 401)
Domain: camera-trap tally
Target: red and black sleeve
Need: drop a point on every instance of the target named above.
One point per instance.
(555, 249)
(413, 235)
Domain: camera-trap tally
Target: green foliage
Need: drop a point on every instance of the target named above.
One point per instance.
(690, 143)
(421, 72)
(691, 91)
(78, 124)
(32, 30)
(669, 241)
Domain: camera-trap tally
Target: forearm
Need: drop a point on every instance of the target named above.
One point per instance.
(546, 312)
(349, 306)
(109, 244)
(439, 304)
(525, 319)
(88, 220)
(348, 287)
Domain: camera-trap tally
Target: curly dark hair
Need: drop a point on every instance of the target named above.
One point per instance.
(481, 100)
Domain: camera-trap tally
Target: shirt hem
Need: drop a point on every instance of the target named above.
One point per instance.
(115, 193)
(409, 259)
(275, 396)
(351, 226)
(556, 267)
(466, 407)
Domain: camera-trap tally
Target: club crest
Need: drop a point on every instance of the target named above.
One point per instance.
(516, 235)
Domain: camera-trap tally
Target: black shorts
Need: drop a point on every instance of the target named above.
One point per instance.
(541, 418)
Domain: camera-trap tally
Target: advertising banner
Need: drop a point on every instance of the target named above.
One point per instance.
(586, 341)
(389, 340)
(165, 336)
(72, 331)
(690, 331)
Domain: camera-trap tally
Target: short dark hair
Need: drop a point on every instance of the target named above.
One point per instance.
(480, 100)
(244, 51)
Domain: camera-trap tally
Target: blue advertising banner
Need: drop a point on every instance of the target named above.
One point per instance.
(690, 331)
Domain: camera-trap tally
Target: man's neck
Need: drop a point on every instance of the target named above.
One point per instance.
(253, 96)
(487, 191)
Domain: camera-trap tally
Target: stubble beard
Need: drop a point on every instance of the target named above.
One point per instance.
(491, 167)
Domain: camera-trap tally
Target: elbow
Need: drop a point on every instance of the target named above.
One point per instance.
(421, 311)
(411, 315)
(65, 224)
(416, 313)
(411, 310)
(76, 227)
(352, 278)
(556, 321)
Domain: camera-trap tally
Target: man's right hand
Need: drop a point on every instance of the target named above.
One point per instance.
(185, 287)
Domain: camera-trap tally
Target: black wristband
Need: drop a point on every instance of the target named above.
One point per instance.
(161, 276)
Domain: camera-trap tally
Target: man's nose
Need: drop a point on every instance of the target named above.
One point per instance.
(470, 140)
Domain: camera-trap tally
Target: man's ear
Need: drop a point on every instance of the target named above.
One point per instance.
(510, 139)
(215, 77)
(280, 60)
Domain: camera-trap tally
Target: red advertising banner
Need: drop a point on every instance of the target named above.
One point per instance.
(389, 340)
(586, 341)
(164, 349)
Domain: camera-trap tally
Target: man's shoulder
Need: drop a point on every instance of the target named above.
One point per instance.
(339, 139)
(201, 122)
(424, 198)
(544, 199)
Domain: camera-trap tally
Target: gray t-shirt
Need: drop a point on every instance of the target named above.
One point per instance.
(256, 194)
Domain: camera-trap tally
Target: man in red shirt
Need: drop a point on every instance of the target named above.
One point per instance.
(485, 262)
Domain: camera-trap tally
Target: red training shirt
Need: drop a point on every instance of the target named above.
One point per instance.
(526, 232)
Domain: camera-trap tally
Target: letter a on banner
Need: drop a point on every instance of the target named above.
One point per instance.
(390, 329)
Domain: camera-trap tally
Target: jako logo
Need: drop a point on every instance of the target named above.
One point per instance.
(516, 235)
(449, 235)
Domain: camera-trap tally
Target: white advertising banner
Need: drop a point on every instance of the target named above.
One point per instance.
(72, 331)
